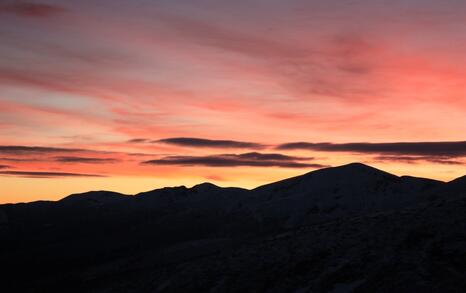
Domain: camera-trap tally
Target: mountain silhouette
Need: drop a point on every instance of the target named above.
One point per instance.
(351, 228)
(94, 197)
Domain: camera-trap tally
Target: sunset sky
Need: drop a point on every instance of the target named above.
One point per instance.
(135, 95)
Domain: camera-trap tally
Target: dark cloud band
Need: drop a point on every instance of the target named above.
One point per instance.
(419, 159)
(22, 150)
(139, 140)
(236, 160)
(29, 9)
(84, 160)
(31, 174)
(210, 143)
(448, 149)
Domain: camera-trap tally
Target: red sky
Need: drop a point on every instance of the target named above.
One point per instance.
(94, 94)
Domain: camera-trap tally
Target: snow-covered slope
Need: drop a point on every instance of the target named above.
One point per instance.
(341, 191)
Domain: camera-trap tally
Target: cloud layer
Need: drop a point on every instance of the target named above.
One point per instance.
(447, 149)
(443, 160)
(30, 9)
(253, 159)
(24, 150)
(85, 160)
(37, 174)
(210, 143)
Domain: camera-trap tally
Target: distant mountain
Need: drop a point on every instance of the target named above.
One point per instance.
(351, 228)
(94, 197)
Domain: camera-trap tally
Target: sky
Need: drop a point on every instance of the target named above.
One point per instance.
(131, 96)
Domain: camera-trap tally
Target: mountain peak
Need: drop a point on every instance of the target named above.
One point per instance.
(205, 186)
(358, 166)
(352, 170)
(355, 174)
(100, 196)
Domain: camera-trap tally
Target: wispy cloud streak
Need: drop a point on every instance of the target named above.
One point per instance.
(442, 160)
(86, 160)
(36, 174)
(21, 150)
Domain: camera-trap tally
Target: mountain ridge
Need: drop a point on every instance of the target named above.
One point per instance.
(344, 170)
(352, 225)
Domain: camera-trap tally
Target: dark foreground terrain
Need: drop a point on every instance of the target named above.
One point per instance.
(346, 229)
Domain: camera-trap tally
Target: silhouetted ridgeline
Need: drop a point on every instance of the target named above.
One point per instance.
(346, 229)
